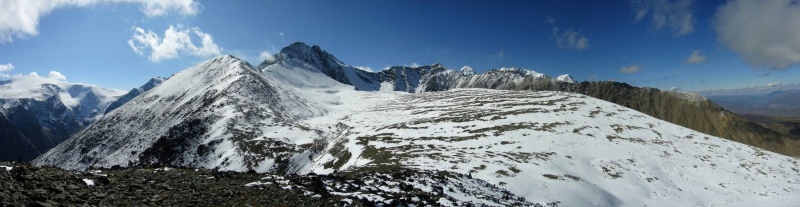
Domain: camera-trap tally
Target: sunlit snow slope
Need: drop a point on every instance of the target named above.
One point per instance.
(548, 147)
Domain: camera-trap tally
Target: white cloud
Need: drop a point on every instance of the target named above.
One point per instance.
(569, 39)
(630, 69)
(177, 40)
(6, 67)
(264, 55)
(20, 19)
(673, 88)
(764, 33)
(413, 65)
(364, 68)
(696, 57)
(55, 75)
(281, 33)
(153, 8)
(34, 74)
(676, 15)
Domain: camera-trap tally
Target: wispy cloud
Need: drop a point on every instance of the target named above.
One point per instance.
(4, 70)
(764, 33)
(696, 57)
(177, 40)
(568, 39)
(630, 69)
(676, 15)
(20, 19)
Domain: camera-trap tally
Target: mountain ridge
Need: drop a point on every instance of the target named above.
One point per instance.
(545, 146)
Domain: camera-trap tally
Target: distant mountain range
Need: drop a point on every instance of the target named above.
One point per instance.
(546, 146)
(37, 113)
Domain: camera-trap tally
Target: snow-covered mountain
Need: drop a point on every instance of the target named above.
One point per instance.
(290, 116)
(426, 78)
(43, 112)
(685, 109)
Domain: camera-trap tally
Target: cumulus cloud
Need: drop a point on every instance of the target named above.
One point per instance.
(177, 40)
(676, 15)
(673, 88)
(34, 74)
(696, 57)
(55, 75)
(630, 69)
(569, 39)
(764, 33)
(6, 67)
(264, 55)
(20, 19)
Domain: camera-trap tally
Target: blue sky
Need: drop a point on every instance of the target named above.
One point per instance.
(738, 43)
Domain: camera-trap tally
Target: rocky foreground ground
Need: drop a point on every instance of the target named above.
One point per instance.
(26, 185)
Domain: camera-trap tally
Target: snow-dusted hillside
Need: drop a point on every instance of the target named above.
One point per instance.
(556, 146)
(289, 117)
(221, 113)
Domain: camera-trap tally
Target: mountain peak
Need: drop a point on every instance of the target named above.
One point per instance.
(566, 78)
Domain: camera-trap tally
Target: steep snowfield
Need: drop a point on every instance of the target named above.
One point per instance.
(548, 147)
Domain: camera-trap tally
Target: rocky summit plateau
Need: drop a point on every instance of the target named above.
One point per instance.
(425, 135)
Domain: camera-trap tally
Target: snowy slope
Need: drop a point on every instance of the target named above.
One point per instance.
(290, 117)
(556, 146)
(221, 113)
